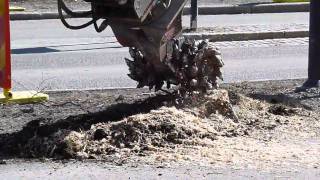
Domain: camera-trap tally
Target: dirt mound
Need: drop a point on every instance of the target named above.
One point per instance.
(168, 133)
(162, 128)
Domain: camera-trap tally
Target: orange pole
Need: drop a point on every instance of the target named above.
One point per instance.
(5, 74)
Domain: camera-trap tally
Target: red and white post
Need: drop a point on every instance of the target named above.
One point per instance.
(5, 64)
(5, 55)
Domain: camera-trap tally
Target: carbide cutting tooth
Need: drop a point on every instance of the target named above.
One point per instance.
(210, 53)
(175, 53)
(217, 52)
(151, 87)
(202, 44)
(193, 83)
(219, 75)
(140, 85)
(168, 85)
(209, 86)
(139, 55)
(130, 64)
(214, 49)
(219, 60)
(215, 85)
(132, 52)
(164, 5)
(133, 77)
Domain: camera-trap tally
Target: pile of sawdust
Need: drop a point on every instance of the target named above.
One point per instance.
(168, 133)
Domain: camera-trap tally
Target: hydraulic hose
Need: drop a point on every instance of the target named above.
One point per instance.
(62, 6)
(71, 13)
(102, 27)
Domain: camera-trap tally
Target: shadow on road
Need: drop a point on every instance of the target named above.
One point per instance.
(36, 50)
(57, 48)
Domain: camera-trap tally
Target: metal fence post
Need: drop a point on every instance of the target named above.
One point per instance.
(194, 14)
(314, 46)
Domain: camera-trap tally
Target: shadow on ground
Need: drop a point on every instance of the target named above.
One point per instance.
(307, 100)
(10, 143)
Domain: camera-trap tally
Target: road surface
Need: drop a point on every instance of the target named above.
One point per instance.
(100, 170)
(46, 55)
(51, 5)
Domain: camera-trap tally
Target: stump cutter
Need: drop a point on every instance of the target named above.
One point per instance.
(152, 31)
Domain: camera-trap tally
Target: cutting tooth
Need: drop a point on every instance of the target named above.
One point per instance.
(168, 85)
(203, 44)
(140, 85)
(175, 51)
(130, 63)
(193, 83)
(133, 77)
(219, 60)
(139, 55)
(209, 86)
(164, 5)
(220, 75)
(216, 51)
(132, 52)
(215, 86)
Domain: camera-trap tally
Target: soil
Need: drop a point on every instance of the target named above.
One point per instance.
(256, 124)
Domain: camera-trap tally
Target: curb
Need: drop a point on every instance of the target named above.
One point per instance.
(244, 36)
(213, 10)
(16, 8)
(33, 16)
(253, 9)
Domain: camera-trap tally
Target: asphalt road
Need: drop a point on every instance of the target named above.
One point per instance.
(93, 170)
(45, 55)
(51, 5)
(206, 2)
